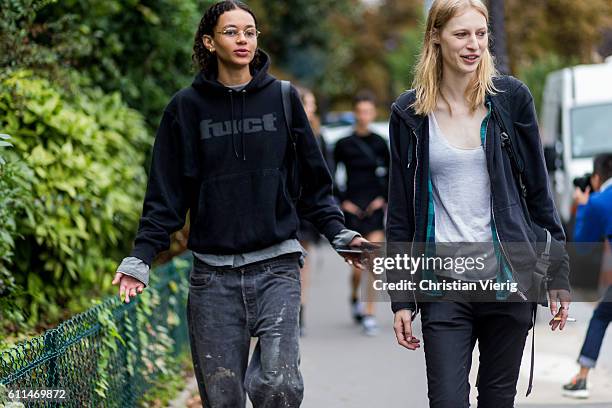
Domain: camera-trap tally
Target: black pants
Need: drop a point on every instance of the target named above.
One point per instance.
(450, 331)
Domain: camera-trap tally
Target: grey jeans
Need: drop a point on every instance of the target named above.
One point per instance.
(226, 307)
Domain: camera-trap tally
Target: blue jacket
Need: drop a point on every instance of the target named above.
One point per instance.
(594, 219)
(408, 189)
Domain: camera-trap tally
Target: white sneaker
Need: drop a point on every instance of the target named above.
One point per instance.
(369, 325)
(357, 311)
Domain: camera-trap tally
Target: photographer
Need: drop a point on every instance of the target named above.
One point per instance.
(593, 223)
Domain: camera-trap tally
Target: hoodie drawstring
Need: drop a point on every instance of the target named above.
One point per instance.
(231, 94)
(243, 140)
(238, 123)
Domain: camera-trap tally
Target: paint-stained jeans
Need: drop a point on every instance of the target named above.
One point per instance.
(227, 306)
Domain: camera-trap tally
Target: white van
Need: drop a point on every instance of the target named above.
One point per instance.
(576, 125)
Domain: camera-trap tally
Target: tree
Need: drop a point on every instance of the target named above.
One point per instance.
(141, 48)
(498, 28)
(567, 28)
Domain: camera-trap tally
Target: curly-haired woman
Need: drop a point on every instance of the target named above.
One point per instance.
(224, 152)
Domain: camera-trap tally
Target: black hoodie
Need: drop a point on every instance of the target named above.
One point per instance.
(223, 155)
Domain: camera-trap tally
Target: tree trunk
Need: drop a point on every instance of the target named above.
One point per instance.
(498, 31)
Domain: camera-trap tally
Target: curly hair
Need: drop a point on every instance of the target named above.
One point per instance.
(203, 59)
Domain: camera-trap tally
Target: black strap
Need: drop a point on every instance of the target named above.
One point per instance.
(294, 183)
(287, 109)
(543, 259)
(533, 329)
(508, 145)
(368, 151)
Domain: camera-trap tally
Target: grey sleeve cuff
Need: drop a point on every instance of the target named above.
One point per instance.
(135, 268)
(344, 237)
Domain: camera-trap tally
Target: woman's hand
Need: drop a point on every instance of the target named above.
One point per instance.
(377, 204)
(128, 286)
(356, 259)
(402, 325)
(559, 314)
(352, 208)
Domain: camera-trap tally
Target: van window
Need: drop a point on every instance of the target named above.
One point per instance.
(559, 124)
(591, 130)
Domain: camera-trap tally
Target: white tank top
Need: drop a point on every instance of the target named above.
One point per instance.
(462, 198)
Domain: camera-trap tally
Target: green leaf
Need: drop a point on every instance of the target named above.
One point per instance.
(67, 187)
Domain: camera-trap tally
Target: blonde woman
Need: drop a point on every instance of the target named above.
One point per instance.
(308, 235)
(451, 181)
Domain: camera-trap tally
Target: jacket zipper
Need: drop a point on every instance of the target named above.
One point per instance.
(520, 293)
(416, 168)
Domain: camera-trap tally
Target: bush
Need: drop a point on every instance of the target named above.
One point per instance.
(86, 151)
(15, 202)
(139, 48)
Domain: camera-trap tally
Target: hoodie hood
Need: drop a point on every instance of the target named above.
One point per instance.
(207, 81)
(403, 108)
(238, 192)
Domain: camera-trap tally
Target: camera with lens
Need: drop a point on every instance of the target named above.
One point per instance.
(583, 182)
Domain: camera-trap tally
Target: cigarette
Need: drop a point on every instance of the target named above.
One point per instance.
(569, 319)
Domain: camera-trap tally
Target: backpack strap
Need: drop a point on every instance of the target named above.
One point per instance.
(543, 261)
(295, 189)
(287, 109)
(509, 146)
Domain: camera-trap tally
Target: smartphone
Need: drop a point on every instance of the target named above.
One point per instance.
(349, 250)
(365, 247)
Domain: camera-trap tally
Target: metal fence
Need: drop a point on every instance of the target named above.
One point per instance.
(108, 356)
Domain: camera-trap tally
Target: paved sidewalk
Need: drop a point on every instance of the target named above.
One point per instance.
(341, 366)
(555, 362)
(344, 368)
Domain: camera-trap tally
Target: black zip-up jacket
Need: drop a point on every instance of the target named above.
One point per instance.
(408, 197)
(224, 155)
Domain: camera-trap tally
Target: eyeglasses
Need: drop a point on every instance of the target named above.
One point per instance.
(249, 33)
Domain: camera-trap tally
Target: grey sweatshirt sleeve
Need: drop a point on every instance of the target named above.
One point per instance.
(135, 268)
(344, 237)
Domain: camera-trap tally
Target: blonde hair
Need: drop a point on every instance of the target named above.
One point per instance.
(428, 71)
(314, 120)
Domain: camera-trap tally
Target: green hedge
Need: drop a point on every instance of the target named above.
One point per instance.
(79, 210)
(15, 185)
